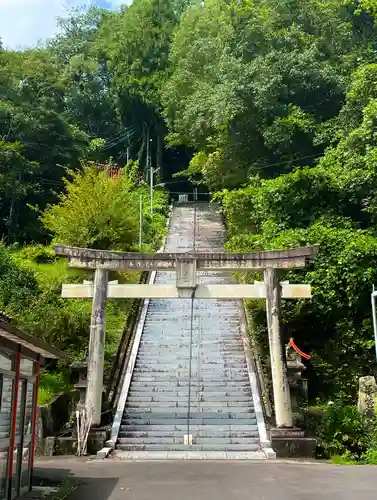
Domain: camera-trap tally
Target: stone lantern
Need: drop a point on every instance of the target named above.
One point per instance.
(298, 385)
(80, 368)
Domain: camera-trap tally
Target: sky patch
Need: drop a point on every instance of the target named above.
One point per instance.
(23, 23)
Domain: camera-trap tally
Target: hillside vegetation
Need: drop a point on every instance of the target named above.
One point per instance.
(95, 211)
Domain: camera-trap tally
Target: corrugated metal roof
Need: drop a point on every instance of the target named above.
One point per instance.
(13, 334)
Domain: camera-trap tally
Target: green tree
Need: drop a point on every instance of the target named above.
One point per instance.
(31, 103)
(257, 87)
(88, 101)
(332, 204)
(98, 211)
(136, 45)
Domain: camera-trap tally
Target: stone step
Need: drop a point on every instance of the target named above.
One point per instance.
(219, 388)
(200, 367)
(162, 397)
(180, 366)
(189, 455)
(197, 387)
(154, 344)
(194, 447)
(225, 412)
(159, 336)
(177, 392)
(209, 380)
(144, 420)
(204, 428)
(183, 367)
(180, 440)
(200, 347)
(196, 411)
(204, 359)
(228, 321)
(177, 353)
(197, 434)
(203, 406)
(180, 332)
(184, 373)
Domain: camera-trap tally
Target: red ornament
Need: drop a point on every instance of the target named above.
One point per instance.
(294, 346)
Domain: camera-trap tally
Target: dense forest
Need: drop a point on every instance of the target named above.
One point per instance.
(271, 105)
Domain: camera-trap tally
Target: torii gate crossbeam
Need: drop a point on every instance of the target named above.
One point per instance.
(214, 261)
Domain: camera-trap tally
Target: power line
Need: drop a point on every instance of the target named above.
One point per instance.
(115, 136)
(126, 135)
(287, 160)
(116, 143)
(123, 133)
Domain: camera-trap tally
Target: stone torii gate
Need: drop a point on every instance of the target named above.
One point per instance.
(186, 266)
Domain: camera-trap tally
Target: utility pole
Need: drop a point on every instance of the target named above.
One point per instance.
(128, 147)
(147, 150)
(141, 223)
(151, 188)
(150, 168)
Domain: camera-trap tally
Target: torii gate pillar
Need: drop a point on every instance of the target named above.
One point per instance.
(96, 353)
(282, 397)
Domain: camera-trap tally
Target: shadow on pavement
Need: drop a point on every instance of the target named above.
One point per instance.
(88, 488)
(49, 476)
(93, 488)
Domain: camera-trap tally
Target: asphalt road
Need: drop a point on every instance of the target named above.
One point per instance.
(206, 480)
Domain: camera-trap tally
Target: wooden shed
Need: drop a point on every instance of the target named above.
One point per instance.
(21, 358)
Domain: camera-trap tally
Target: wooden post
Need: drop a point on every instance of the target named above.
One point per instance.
(93, 400)
(283, 410)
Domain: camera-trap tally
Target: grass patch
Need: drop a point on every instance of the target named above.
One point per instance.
(51, 383)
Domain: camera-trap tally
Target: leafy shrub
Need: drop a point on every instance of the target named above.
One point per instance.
(18, 286)
(38, 254)
(369, 457)
(342, 433)
(51, 383)
(345, 459)
(98, 211)
(336, 324)
(94, 212)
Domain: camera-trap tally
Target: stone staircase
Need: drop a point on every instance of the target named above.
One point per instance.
(191, 376)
